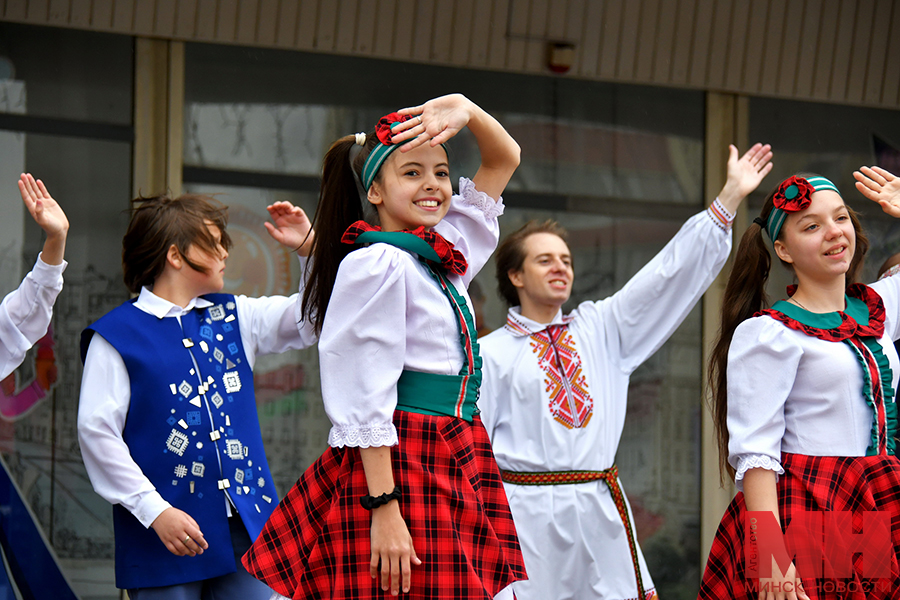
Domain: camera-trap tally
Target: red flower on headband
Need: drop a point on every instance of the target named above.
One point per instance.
(383, 128)
(793, 194)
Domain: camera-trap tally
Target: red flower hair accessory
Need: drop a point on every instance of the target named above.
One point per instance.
(383, 128)
(793, 195)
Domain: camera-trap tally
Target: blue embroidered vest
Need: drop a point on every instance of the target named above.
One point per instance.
(193, 429)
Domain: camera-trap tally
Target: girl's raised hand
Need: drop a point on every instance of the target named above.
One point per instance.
(879, 186)
(437, 120)
(291, 228)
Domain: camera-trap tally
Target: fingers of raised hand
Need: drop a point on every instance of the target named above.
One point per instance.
(759, 155)
(887, 175)
(30, 184)
(412, 110)
(873, 175)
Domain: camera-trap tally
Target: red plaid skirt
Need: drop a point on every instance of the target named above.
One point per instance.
(813, 483)
(316, 543)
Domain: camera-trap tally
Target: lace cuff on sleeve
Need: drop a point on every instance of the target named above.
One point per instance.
(755, 461)
(363, 437)
(471, 196)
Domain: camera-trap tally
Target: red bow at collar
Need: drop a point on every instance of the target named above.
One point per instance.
(451, 259)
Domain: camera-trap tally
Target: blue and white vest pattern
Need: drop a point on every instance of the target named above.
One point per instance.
(193, 429)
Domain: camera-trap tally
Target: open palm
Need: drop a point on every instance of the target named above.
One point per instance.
(880, 186)
(746, 172)
(438, 119)
(291, 227)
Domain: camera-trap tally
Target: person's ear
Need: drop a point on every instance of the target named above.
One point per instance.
(374, 194)
(174, 258)
(515, 278)
(782, 252)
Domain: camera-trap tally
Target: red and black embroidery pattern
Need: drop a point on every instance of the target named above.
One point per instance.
(570, 402)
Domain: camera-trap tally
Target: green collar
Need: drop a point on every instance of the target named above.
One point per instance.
(401, 239)
(856, 310)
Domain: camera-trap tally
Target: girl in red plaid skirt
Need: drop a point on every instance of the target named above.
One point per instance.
(804, 402)
(408, 496)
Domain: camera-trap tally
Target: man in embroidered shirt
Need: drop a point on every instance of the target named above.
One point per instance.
(555, 389)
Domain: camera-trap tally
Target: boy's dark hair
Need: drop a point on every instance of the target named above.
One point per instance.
(511, 255)
(159, 222)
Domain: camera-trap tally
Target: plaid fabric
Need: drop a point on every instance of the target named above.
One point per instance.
(316, 544)
(811, 483)
(451, 259)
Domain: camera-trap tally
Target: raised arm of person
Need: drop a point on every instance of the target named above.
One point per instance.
(744, 174)
(275, 324)
(656, 300)
(25, 313)
(47, 213)
(439, 119)
(881, 186)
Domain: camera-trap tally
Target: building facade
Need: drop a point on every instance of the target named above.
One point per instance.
(623, 109)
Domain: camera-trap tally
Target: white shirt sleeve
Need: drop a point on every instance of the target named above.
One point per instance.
(273, 324)
(889, 290)
(471, 226)
(762, 365)
(102, 409)
(25, 313)
(640, 317)
(363, 345)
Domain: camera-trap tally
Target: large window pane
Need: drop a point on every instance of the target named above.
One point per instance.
(69, 74)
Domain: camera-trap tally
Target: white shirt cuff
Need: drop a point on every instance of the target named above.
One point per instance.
(48, 275)
(150, 506)
(720, 215)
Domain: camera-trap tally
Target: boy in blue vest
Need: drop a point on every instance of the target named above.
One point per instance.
(167, 419)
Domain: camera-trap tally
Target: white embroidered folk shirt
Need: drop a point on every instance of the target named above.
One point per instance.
(268, 325)
(25, 313)
(545, 413)
(387, 314)
(792, 392)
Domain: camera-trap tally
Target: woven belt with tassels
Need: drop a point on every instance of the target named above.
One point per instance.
(610, 477)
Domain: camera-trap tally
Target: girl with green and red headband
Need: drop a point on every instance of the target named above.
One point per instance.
(408, 497)
(804, 393)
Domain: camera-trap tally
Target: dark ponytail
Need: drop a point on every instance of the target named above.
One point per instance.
(340, 205)
(745, 295)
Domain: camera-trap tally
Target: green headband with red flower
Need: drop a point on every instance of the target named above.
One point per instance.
(793, 195)
(383, 149)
